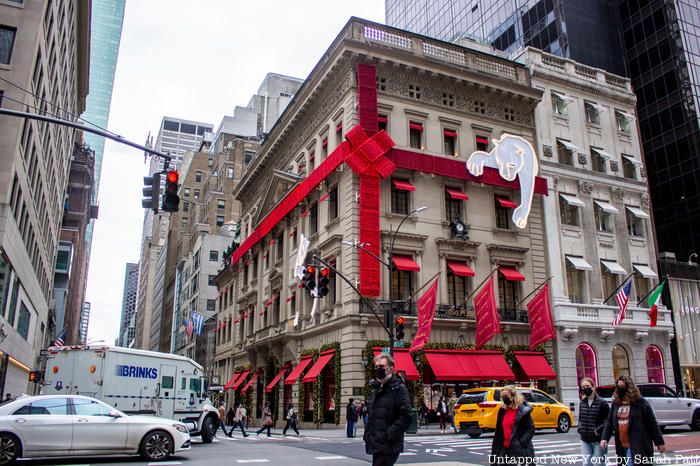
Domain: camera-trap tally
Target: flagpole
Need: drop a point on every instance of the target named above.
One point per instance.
(534, 291)
(466, 300)
(618, 288)
(424, 285)
(652, 290)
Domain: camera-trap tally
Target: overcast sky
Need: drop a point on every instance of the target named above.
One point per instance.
(192, 60)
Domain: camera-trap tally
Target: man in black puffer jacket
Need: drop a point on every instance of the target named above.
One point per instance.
(593, 414)
(389, 414)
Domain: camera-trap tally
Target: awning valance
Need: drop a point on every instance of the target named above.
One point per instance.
(563, 97)
(239, 380)
(644, 271)
(296, 372)
(403, 185)
(579, 263)
(568, 145)
(510, 274)
(506, 203)
(457, 365)
(627, 116)
(232, 380)
(416, 126)
(535, 365)
(461, 269)
(457, 194)
(250, 382)
(402, 362)
(637, 212)
(405, 263)
(449, 133)
(614, 267)
(572, 200)
(601, 152)
(318, 366)
(607, 207)
(632, 159)
(277, 378)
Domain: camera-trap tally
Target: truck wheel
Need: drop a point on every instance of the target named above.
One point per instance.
(10, 449)
(475, 435)
(207, 430)
(156, 445)
(695, 425)
(563, 424)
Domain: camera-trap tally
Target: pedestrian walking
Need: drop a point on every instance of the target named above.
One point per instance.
(357, 419)
(351, 418)
(512, 441)
(634, 425)
(266, 419)
(442, 414)
(389, 414)
(222, 420)
(238, 419)
(363, 412)
(593, 414)
(451, 408)
(292, 419)
(423, 414)
(229, 416)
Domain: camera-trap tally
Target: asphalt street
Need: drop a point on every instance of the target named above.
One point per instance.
(316, 447)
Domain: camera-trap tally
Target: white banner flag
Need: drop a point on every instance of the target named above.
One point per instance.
(301, 257)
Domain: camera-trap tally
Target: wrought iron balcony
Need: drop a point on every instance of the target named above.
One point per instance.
(443, 311)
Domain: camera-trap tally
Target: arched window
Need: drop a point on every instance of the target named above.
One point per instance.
(586, 364)
(655, 365)
(621, 361)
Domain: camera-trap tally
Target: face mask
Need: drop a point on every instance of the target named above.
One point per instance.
(621, 391)
(380, 373)
(588, 391)
(506, 400)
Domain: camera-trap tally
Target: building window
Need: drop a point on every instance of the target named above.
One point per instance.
(338, 133)
(187, 192)
(255, 267)
(449, 141)
(313, 219)
(211, 280)
(211, 305)
(399, 200)
(565, 151)
(196, 193)
(609, 282)
(382, 122)
(620, 361)
(457, 289)
(333, 203)
(415, 135)
(482, 143)
(641, 287)
(248, 156)
(312, 160)
(592, 112)
(622, 120)
(453, 207)
(324, 147)
(7, 43)
(414, 91)
(569, 212)
(401, 284)
(558, 104)
(576, 282)
(655, 365)
(185, 206)
(23, 321)
(220, 219)
(184, 222)
(635, 222)
(213, 256)
(220, 204)
(503, 214)
(381, 83)
(210, 162)
(448, 99)
(603, 218)
(597, 160)
(629, 168)
(229, 172)
(198, 177)
(507, 294)
(586, 363)
(280, 247)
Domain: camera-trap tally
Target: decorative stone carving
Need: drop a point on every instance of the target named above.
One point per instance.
(605, 334)
(640, 335)
(568, 333)
(618, 194)
(643, 172)
(582, 159)
(547, 150)
(555, 182)
(644, 200)
(585, 187)
(614, 166)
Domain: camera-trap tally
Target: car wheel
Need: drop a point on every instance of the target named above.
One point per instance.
(10, 449)
(207, 430)
(695, 425)
(475, 435)
(563, 424)
(156, 445)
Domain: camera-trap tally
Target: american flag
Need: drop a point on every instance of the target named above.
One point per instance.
(623, 299)
(60, 339)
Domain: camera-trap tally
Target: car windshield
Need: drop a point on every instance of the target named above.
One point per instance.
(472, 398)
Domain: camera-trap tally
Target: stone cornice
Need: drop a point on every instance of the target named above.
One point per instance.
(593, 88)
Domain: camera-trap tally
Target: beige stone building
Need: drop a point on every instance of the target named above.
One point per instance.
(438, 102)
(44, 63)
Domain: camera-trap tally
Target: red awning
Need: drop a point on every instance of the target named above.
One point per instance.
(277, 378)
(506, 203)
(457, 194)
(406, 263)
(250, 382)
(296, 372)
(482, 140)
(232, 380)
(324, 143)
(240, 380)
(318, 366)
(449, 133)
(460, 269)
(416, 126)
(511, 274)
(382, 119)
(402, 362)
(338, 127)
(403, 185)
(458, 365)
(535, 365)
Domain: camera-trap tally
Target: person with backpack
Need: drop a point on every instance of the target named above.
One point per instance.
(266, 419)
(292, 419)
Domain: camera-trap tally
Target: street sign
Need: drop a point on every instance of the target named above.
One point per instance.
(216, 388)
(385, 349)
(399, 344)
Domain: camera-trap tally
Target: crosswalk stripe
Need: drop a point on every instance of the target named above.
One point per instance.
(261, 460)
(407, 454)
(330, 457)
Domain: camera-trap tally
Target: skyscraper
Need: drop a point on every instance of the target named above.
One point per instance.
(131, 281)
(653, 42)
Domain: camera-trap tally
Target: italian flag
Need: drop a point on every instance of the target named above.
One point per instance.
(653, 301)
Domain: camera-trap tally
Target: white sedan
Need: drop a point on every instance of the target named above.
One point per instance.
(74, 425)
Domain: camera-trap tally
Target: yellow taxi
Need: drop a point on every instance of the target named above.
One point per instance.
(476, 410)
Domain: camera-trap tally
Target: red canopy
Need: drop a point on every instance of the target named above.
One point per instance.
(240, 380)
(250, 382)
(457, 194)
(406, 263)
(277, 378)
(456, 365)
(232, 380)
(318, 366)
(511, 274)
(403, 185)
(535, 365)
(506, 203)
(296, 372)
(460, 269)
(402, 362)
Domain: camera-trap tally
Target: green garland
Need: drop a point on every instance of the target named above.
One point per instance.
(302, 390)
(336, 371)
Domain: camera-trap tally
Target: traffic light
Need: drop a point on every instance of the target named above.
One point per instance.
(151, 192)
(309, 279)
(400, 328)
(323, 281)
(36, 376)
(171, 201)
